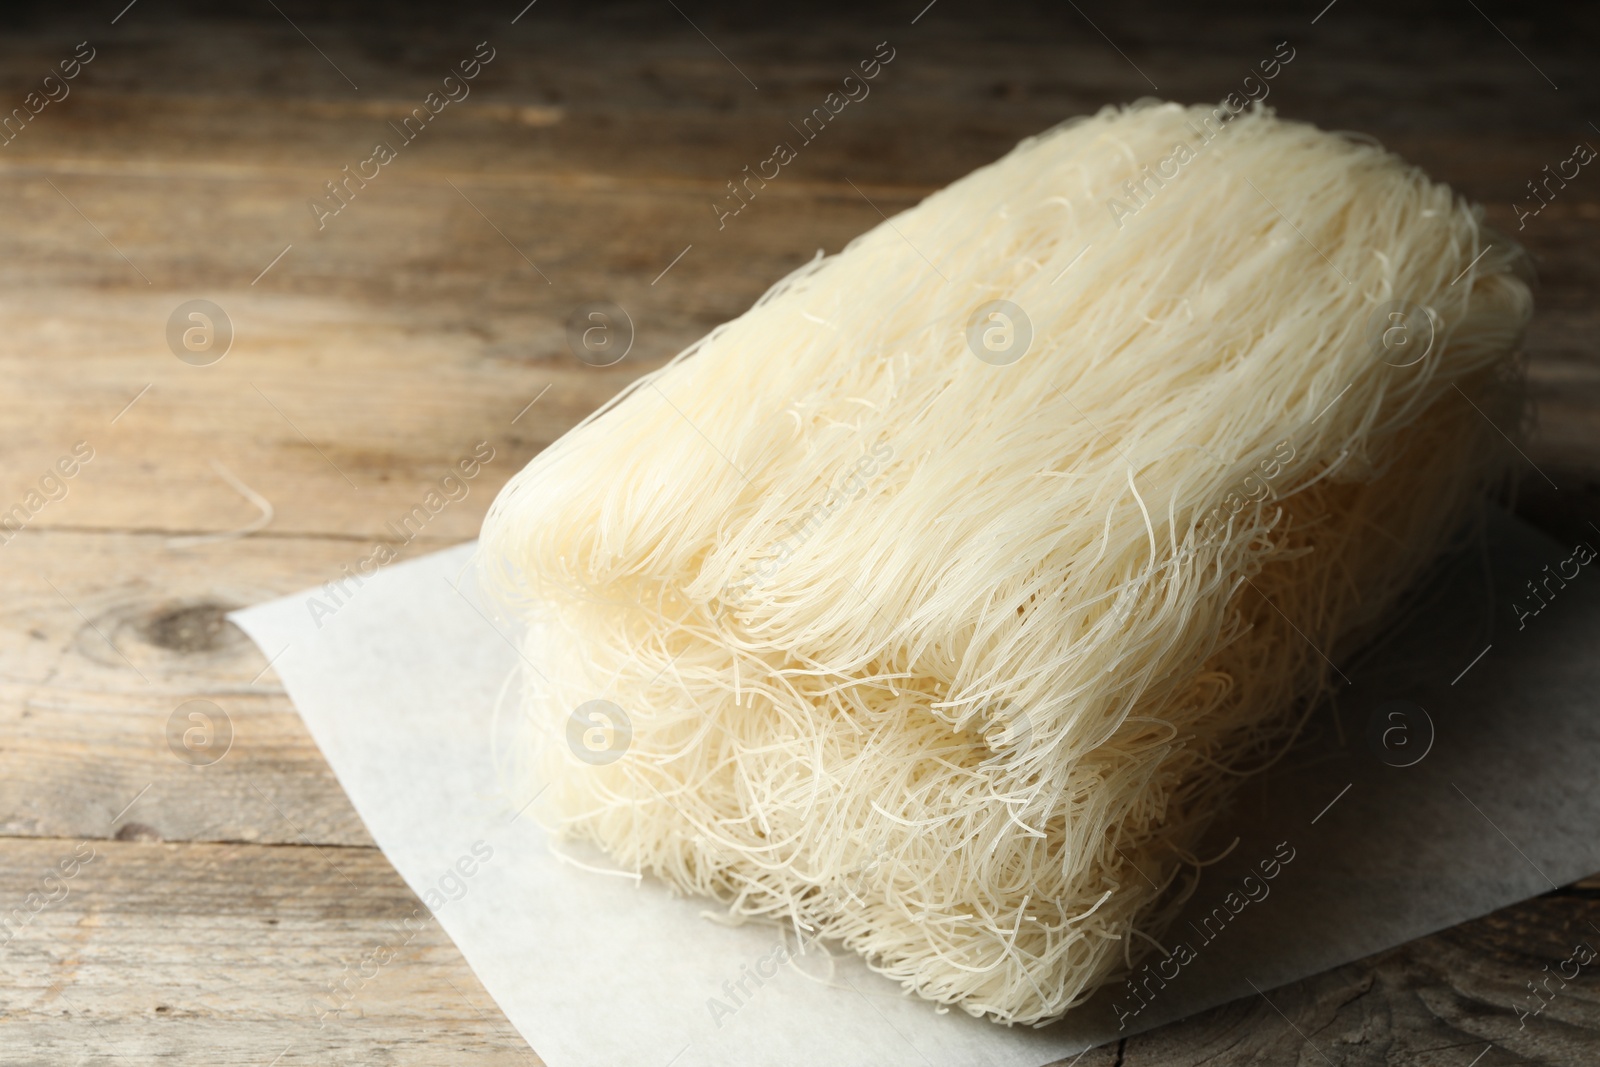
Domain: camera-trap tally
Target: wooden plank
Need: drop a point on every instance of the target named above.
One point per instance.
(231, 954)
(1443, 999)
(98, 656)
(224, 955)
(341, 409)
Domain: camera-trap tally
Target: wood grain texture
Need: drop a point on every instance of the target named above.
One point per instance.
(233, 954)
(430, 312)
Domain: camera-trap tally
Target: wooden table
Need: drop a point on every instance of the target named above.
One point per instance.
(209, 904)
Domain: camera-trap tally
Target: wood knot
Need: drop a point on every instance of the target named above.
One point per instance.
(137, 831)
(199, 627)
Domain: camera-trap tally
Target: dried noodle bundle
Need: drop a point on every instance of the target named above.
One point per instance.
(951, 658)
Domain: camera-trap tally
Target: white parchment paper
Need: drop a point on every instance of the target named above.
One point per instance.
(398, 687)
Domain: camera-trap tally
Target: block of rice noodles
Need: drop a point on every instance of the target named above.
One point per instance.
(933, 607)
